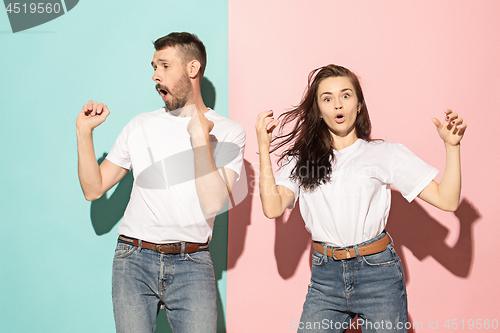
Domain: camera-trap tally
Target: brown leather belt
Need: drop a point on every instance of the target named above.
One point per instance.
(166, 248)
(364, 250)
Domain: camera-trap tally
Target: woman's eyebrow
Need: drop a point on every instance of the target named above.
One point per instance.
(330, 93)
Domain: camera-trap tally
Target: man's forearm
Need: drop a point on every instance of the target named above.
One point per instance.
(88, 168)
(211, 188)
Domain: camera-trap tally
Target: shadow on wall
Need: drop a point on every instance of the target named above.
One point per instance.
(412, 227)
(106, 212)
(291, 240)
(208, 93)
(241, 217)
(409, 225)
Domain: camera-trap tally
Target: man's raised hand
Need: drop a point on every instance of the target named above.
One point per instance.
(92, 115)
(199, 128)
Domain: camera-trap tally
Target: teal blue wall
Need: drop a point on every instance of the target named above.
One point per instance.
(55, 270)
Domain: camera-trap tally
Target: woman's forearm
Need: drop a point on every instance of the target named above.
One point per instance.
(269, 194)
(450, 186)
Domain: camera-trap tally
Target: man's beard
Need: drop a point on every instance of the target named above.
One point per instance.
(180, 94)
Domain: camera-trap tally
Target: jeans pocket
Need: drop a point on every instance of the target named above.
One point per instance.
(317, 259)
(124, 250)
(383, 258)
(200, 257)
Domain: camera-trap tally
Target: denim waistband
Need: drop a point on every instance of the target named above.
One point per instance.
(178, 243)
(154, 246)
(374, 239)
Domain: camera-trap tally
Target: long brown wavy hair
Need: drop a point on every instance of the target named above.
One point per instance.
(310, 141)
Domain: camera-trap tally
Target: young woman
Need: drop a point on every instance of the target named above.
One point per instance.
(343, 180)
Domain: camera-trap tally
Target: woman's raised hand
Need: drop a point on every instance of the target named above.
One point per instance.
(452, 129)
(264, 128)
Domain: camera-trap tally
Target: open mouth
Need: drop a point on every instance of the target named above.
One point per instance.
(339, 118)
(162, 91)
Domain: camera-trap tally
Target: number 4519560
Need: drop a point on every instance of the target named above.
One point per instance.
(471, 324)
(33, 8)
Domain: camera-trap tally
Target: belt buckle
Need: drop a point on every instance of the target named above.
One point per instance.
(333, 255)
(158, 248)
(347, 254)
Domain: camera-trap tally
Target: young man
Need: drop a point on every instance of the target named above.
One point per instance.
(185, 160)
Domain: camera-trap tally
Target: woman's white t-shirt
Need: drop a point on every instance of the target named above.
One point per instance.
(354, 206)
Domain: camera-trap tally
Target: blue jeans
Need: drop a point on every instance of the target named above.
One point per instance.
(143, 280)
(372, 287)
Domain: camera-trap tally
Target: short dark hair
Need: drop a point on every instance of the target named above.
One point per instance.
(189, 46)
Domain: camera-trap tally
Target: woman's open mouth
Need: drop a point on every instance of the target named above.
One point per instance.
(339, 118)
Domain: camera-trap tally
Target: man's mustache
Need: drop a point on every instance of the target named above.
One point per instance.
(161, 87)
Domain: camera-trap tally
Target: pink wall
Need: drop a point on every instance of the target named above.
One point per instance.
(415, 59)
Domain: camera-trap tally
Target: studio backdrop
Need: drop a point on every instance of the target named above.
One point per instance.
(414, 59)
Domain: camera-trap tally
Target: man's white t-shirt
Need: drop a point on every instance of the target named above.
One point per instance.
(354, 206)
(164, 206)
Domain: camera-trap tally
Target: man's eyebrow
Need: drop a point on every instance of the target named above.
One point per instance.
(159, 61)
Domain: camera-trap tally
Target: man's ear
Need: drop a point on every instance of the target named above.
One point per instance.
(193, 68)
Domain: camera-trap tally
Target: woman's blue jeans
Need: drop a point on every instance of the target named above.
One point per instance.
(372, 287)
(144, 279)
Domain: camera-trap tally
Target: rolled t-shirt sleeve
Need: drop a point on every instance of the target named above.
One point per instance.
(119, 153)
(410, 174)
(282, 178)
